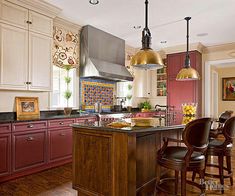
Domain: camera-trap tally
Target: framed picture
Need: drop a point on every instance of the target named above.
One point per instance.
(228, 86)
(27, 108)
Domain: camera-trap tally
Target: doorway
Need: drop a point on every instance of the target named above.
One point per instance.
(213, 89)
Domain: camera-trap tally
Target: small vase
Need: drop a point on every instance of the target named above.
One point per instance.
(67, 111)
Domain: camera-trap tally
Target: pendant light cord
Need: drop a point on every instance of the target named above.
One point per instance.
(187, 59)
(146, 14)
(146, 35)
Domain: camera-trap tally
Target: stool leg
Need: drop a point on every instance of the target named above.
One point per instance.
(228, 160)
(193, 176)
(176, 181)
(202, 181)
(221, 172)
(183, 183)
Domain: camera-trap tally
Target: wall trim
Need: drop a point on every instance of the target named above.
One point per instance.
(38, 6)
(60, 22)
(207, 82)
(221, 47)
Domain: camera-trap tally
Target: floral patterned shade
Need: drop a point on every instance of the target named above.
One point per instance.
(65, 50)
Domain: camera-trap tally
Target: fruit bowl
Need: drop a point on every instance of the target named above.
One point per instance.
(189, 112)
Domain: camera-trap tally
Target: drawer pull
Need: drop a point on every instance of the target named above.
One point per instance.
(61, 123)
(30, 126)
(30, 139)
(62, 134)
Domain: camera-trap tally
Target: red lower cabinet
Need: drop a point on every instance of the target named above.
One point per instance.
(60, 144)
(29, 149)
(5, 154)
(5, 149)
(60, 139)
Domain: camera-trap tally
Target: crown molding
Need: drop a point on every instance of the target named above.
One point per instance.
(222, 47)
(60, 22)
(181, 48)
(38, 6)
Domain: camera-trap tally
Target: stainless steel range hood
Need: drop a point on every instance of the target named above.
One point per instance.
(102, 55)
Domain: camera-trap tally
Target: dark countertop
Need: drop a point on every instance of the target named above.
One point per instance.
(49, 117)
(100, 126)
(10, 117)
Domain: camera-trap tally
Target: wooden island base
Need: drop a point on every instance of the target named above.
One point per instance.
(117, 163)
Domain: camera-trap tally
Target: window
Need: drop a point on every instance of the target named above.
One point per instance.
(124, 89)
(59, 88)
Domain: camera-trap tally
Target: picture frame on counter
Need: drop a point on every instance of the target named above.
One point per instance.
(228, 88)
(27, 108)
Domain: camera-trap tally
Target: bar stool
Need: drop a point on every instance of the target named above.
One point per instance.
(222, 118)
(222, 149)
(182, 159)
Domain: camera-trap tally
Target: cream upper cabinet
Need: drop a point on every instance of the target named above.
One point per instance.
(13, 57)
(14, 15)
(40, 23)
(143, 83)
(26, 38)
(39, 62)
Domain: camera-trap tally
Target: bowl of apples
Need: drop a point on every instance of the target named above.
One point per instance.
(189, 112)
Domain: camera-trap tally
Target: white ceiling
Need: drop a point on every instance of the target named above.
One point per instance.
(215, 17)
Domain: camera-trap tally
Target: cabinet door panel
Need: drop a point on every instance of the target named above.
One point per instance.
(174, 64)
(60, 144)
(40, 62)
(14, 57)
(5, 156)
(40, 23)
(29, 150)
(14, 15)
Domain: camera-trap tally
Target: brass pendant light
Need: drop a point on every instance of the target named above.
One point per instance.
(187, 73)
(146, 58)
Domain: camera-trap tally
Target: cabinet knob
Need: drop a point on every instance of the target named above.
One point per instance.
(61, 123)
(62, 134)
(28, 22)
(29, 138)
(28, 82)
(30, 126)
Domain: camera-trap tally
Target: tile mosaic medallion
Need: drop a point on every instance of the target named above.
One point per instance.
(92, 91)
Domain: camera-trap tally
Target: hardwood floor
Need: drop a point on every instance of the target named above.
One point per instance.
(57, 182)
(53, 182)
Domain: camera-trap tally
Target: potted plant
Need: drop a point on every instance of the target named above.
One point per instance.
(68, 92)
(145, 106)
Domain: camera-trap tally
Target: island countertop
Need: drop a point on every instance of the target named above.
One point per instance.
(102, 126)
(117, 161)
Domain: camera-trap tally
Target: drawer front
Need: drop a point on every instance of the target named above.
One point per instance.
(29, 150)
(60, 123)
(88, 119)
(27, 126)
(60, 144)
(5, 128)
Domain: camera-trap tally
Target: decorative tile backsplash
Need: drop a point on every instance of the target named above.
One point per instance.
(96, 90)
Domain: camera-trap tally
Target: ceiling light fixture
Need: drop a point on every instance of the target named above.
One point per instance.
(94, 2)
(137, 27)
(146, 58)
(202, 34)
(187, 73)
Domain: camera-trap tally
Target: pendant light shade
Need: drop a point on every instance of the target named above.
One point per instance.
(187, 73)
(146, 58)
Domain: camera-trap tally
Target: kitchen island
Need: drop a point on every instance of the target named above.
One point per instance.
(117, 161)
